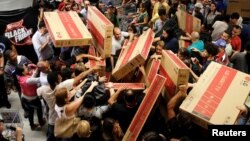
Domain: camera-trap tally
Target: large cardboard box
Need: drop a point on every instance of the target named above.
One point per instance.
(188, 22)
(67, 29)
(176, 72)
(145, 108)
(93, 63)
(101, 29)
(240, 6)
(152, 69)
(214, 98)
(134, 55)
(133, 86)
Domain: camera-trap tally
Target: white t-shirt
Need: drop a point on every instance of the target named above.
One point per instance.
(48, 94)
(95, 112)
(219, 27)
(117, 44)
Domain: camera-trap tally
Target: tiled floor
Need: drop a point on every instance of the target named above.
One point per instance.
(29, 134)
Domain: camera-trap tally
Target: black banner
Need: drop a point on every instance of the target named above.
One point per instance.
(19, 26)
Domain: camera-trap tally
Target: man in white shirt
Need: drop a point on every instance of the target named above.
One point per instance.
(42, 43)
(117, 42)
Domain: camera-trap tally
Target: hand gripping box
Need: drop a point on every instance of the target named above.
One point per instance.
(101, 29)
(133, 86)
(188, 22)
(176, 72)
(214, 98)
(67, 29)
(134, 55)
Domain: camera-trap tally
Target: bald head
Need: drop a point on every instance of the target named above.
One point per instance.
(117, 33)
(195, 36)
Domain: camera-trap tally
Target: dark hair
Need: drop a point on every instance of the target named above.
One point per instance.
(7, 53)
(184, 52)
(66, 73)
(89, 100)
(211, 49)
(228, 33)
(162, 11)
(107, 127)
(235, 15)
(41, 24)
(52, 78)
(237, 27)
(19, 70)
(170, 32)
(152, 136)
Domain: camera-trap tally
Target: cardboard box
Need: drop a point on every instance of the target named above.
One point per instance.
(240, 6)
(184, 44)
(145, 108)
(93, 62)
(188, 22)
(101, 29)
(152, 69)
(133, 55)
(176, 72)
(133, 86)
(67, 29)
(214, 98)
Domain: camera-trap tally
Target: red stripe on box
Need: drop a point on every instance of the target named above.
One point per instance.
(134, 86)
(96, 34)
(145, 108)
(100, 15)
(147, 45)
(130, 51)
(153, 70)
(215, 92)
(69, 25)
(175, 59)
(169, 84)
(189, 23)
(92, 62)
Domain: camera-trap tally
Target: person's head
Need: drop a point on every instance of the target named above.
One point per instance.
(21, 70)
(226, 36)
(211, 50)
(89, 101)
(182, 53)
(75, 7)
(79, 68)
(132, 29)
(130, 98)
(183, 124)
(195, 36)
(117, 33)
(142, 7)
(54, 79)
(158, 49)
(213, 7)
(198, 7)
(236, 30)
(43, 66)
(61, 95)
(153, 136)
(111, 128)
(167, 33)
(42, 28)
(162, 13)
(83, 129)
(66, 73)
(221, 44)
(11, 56)
(234, 18)
(110, 7)
(86, 4)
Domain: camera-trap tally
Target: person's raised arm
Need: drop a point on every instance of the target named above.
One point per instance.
(72, 107)
(113, 97)
(181, 95)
